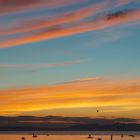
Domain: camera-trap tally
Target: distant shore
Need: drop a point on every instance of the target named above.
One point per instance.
(125, 133)
(80, 127)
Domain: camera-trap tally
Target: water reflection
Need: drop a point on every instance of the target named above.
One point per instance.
(65, 137)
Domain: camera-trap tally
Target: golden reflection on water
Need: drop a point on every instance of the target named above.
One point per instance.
(65, 137)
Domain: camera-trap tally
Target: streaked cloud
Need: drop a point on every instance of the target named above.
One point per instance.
(13, 6)
(90, 79)
(122, 2)
(47, 65)
(84, 19)
(44, 22)
(88, 93)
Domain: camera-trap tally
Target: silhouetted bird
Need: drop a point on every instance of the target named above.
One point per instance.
(97, 111)
(34, 136)
(89, 136)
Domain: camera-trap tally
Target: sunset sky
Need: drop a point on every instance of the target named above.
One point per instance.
(70, 58)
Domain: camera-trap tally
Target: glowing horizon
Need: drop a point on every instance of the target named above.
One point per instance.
(83, 93)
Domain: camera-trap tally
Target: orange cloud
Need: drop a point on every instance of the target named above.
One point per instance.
(90, 79)
(51, 32)
(11, 6)
(88, 93)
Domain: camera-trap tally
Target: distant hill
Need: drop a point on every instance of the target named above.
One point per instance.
(59, 123)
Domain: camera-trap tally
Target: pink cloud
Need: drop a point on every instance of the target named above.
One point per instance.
(41, 22)
(109, 20)
(11, 6)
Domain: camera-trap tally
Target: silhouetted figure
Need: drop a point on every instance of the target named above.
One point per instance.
(99, 139)
(122, 135)
(111, 137)
(23, 138)
(89, 136)
(97, 111)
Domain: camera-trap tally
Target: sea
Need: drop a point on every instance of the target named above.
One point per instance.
(69, 135)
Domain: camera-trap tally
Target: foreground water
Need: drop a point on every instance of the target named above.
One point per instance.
(69, 135)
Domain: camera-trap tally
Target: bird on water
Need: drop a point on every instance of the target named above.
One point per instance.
(89, 136)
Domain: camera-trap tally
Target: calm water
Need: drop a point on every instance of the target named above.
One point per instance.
(68, 135)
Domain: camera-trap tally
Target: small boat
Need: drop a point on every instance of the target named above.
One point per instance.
(47, 134)
(89, 136)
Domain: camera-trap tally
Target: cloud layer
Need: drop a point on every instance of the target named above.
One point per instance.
(47, 65)
(15, 6)
(83, 19)
(92, 92)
